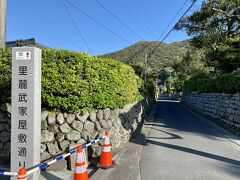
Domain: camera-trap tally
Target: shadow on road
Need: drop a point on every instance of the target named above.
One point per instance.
(172, 135)
(173, 115)
(48, 175)
(196, 152)
(142, 140)
(171, 120)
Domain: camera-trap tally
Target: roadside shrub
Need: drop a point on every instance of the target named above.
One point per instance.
(223, 83)
(147, 89)
(72, 81)
(194, 83)
(5, 75)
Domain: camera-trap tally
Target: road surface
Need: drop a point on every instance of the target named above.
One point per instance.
(180, 146)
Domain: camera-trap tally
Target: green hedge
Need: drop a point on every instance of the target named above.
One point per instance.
(203, 82)
(72, 81)
(5, 75)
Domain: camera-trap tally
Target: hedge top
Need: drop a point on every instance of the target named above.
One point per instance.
(205, 83)
(72, 81)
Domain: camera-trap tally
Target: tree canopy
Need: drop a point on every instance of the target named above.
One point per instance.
(216, 29)
(190, 63)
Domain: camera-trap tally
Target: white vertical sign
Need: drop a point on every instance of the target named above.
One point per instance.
(26, 108)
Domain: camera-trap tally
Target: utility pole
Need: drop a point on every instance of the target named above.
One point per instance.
(145, 73)
(170, 80)
(3, 4)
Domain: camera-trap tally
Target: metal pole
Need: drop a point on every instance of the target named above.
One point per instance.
(3, 4)
(170, 80)
(170, 84)
(145, 73)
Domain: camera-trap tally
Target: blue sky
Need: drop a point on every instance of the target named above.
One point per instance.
(49, 23)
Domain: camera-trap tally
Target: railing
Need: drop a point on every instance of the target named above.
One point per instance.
(56, 159)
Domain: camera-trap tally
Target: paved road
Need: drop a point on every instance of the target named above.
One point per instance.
(180, 146)
(184, 146)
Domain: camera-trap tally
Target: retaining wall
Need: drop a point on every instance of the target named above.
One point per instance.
(219, 106)
(59, 130)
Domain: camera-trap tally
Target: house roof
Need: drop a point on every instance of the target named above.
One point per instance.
(25, 42)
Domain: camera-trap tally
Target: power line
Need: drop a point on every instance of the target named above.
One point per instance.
(96, 21)
(151, 17)
(169, 24)
(130, 6)
(136, 20)
(119, 20)
(165, 30)
(52, 22)
(151, 25)
(75, 25)
(149, 14)
(173, 27)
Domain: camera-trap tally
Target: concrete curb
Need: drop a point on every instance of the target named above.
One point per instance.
(145, 130)
(148, 121)
(226, 134)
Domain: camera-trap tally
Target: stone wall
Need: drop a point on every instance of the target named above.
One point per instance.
(5, 132)
(60, 129)
(221, 107)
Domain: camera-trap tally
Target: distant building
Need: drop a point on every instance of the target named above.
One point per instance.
(25, 42)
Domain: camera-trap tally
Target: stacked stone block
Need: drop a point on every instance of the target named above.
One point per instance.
(219, 106)
(60, 129)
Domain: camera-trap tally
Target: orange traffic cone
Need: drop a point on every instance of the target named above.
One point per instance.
(22, 174)
(80, 166)
(106, 155)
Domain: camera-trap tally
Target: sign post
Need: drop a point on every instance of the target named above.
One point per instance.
(26, 109)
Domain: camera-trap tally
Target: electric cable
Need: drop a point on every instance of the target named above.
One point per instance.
(119, 20)
(53, 23)
(143, 15)
(172, 28)
(169, 24)
(99, 23)
(137, 20)
(75, 25)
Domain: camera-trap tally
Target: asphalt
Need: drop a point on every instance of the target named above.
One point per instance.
(174, 144)
(180, 145)
(128, 159)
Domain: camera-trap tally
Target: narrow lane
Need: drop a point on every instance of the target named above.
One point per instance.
(184, 146)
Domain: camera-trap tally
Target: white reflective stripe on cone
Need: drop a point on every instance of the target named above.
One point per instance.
(80, 169)
(22, 176)
(80, 157)
(85, 156)
(107, 149)
(107, 141)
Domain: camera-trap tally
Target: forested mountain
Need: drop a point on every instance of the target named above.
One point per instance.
(163, 56)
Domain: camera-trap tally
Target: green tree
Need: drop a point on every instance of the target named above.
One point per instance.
(211, 28)
(230, 55)
(190, 63)
(139, 69)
